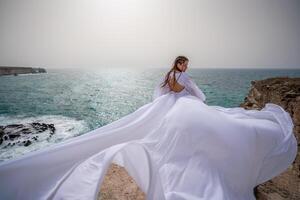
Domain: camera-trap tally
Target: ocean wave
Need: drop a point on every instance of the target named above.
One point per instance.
(65, 128)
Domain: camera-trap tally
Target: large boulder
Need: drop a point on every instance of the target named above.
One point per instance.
(24, 134)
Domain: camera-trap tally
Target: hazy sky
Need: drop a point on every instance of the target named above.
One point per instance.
(150, 33)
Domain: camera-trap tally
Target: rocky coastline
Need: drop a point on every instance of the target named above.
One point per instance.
(6, 70)
(283, 91)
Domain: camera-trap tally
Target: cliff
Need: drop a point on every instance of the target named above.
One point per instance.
(4, 70)
(285, 92)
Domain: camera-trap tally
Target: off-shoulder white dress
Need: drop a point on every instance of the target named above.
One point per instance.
(175, 147)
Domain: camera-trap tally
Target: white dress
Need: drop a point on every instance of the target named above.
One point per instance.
(175, 147)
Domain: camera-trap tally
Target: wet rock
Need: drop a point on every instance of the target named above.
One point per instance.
(27, 143)
(13, 134)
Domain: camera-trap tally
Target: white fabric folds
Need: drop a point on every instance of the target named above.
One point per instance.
(175, 147)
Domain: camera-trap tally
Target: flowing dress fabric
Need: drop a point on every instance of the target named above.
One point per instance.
(175, 147)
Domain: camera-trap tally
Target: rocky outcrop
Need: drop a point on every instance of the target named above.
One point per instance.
(285, 92)
(24, 134)
(20, 70)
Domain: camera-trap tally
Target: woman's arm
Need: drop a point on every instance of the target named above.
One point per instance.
(192, 88)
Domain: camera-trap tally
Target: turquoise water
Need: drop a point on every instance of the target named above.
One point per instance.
(77, 101)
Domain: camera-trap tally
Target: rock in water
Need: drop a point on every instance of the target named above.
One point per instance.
(24, 134)
(285, 92)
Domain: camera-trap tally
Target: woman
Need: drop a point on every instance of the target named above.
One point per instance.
(175, 147)
(177, 81)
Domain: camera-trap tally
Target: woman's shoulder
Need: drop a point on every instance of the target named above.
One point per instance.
(177, 73)
(183, 74)
(180, 75)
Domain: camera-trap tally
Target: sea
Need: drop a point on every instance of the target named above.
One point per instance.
(77, 101)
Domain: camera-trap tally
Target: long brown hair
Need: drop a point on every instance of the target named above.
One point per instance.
(179, 59)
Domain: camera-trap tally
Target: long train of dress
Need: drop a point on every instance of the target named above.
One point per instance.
(175, 147)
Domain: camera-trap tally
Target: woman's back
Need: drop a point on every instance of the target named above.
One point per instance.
(175, 82)
(184, 85)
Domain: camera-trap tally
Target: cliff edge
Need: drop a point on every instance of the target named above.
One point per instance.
(285, 92)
